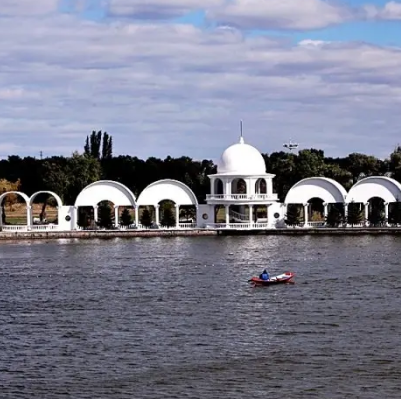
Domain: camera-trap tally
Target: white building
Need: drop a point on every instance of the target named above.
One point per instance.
(241, 198)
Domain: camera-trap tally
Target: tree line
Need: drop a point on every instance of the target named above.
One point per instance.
(67, 176)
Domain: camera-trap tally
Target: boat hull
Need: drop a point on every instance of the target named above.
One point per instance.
(285, 278)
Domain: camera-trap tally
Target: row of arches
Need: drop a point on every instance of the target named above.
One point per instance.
(117, 203)
(330, 191)
(239, 186)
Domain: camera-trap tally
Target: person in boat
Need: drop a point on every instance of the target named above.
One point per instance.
(264, 275)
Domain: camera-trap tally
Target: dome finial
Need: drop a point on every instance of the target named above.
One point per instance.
(241, 139)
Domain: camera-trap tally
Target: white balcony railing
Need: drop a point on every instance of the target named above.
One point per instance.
(238, 226)
(242, 197)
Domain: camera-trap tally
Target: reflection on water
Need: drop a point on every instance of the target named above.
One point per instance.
(175, 317)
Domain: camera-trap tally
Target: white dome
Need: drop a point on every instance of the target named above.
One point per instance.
(241, 159)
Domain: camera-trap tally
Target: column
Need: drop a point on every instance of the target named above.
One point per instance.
(29, 220)
(345, 213)
(366, 212)
(157, 214)
(1, 216)
(227, 207)
(136, 216)
(95, 214)
(177, 216)
(251, 214)
(75, 218)
(306, 214)
(116, 216)
(386, 205)
(325, 209)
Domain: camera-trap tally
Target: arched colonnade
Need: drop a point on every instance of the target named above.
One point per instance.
(331, 192)
(29, 203)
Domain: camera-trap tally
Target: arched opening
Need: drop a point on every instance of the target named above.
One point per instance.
(261, 213)
(125, 217)
(187, 215)
(86, 218)
(104, 215)
(316, 210)
(45, 209)
(218, 187)
(167, 213)
(356, 213)
(146, 216)
(294, 215)
(261, 186)
(14, 211)
(238, 186)
(376, 211)
(219, 214)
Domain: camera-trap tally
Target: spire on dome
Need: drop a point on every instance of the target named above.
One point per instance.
(241, 139)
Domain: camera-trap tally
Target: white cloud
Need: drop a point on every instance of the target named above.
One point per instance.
(156, 9)
(280, 14)
(390, 11)
(27, 7)
(175, 89)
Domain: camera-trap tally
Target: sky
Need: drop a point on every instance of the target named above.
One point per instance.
(166, 77)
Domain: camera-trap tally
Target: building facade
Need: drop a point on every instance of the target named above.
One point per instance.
(241, 198)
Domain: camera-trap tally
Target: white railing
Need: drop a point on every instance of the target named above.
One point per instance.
(188, 225)
(44, 227)
(14, 228)
(238, 226)
(239, 197)
(237, 215)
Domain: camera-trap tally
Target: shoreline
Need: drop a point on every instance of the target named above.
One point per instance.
(108, 234)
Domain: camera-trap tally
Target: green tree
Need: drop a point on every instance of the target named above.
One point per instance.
(335, 215)
(293, 215)
(376, 215)
(126, 218)
(355, 215)
(81, 171)
(84, 217)
(105, 217)
(99, 145)
(168, 218)
(146, 219)
(394, 217)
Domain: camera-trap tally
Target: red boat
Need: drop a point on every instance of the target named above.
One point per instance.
(285, 278)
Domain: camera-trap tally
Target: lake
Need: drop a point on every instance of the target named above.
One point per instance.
(176, 318)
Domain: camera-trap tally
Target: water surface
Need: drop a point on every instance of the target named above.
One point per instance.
(175, 318)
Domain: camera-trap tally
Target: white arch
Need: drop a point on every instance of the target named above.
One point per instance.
(167, 189)
(375, 186)
(324, 188)
(23, 195)
(106, 190)
(58, 199)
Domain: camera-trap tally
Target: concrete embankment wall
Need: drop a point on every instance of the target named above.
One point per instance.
(6, 236)
(102, 234)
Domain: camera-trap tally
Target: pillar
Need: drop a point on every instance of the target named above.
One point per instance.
(116, 216)
(325, 210)
(306, 214)
(251, 214)
(29, 220)
(227, 207)
(75, 218)
(177, 216)
(157, 214)
(345, 213)
(366, 211)
(95, 213)
(136, 216)
(386, 206)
